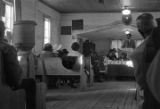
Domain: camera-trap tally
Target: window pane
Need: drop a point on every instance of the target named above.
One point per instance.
(47, 32)
(9, 17)
(8, 20)
(116, 44)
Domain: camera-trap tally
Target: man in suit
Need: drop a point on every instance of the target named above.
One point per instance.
(129, 43)
(146, 27)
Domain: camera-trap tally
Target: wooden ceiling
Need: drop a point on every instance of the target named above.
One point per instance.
(86, 6)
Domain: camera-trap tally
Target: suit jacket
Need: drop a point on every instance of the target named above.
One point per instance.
(12, 70)
(129, 43)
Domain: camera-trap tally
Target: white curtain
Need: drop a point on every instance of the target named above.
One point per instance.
(116, 44)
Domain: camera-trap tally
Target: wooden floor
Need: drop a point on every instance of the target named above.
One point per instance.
(106, 95)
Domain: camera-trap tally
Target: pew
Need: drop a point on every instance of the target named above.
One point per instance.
(52, 66)
(10, 99)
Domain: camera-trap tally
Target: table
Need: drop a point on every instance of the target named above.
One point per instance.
(115, 70)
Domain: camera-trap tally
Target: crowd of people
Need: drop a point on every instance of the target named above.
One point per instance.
(143, 56)
(114, 54)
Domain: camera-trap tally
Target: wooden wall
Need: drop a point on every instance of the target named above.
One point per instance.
(35, 10)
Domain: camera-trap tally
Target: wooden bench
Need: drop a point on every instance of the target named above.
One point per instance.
(53, 67)
(10, 99)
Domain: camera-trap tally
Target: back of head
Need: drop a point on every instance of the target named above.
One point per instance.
(145, 16)
(48, 47)
(145, 23)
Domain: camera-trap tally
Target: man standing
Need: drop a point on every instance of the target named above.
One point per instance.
(129, 43)
(147, 29)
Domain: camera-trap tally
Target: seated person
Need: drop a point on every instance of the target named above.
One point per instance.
(67, 61)
(123, 56)
(62, 53)
(48, 51)
(13, 72)
(112, 54)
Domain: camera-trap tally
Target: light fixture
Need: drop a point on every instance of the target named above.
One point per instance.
(126, 11)
(127, 32)
(126, 15)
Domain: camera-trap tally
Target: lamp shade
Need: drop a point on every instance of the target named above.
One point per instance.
(24, 35)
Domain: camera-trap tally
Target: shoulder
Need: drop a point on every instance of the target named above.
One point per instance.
(5, 47)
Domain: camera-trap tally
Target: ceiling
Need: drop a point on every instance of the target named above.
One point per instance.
(85, 6)
(115, 30)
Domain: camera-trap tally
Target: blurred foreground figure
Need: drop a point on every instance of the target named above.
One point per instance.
(13, 73)
(143, 56)
(12, 68)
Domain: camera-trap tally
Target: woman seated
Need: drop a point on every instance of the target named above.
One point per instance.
(48, 51)
(112, 54)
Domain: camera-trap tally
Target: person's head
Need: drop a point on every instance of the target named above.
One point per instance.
(65, 52)
(48, 47)
(2, 29)
(145, 24)
(129, 36)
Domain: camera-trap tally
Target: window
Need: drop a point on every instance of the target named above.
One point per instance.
(116, 44)
(47, 30)
(8, 18)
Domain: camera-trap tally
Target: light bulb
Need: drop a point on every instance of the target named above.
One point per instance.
(126, 12)
(127, 32)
